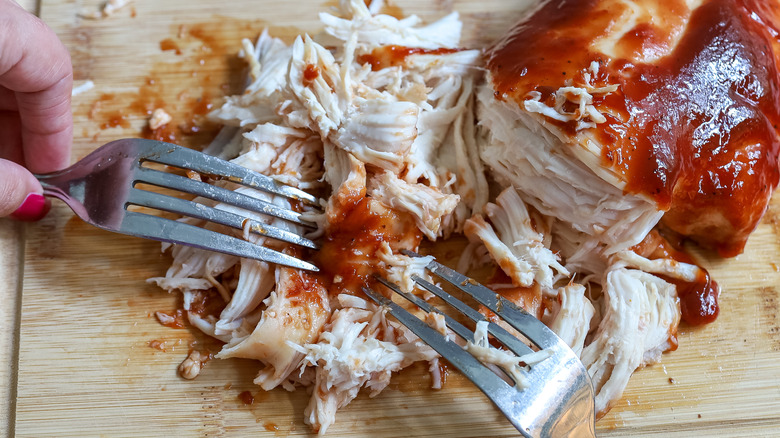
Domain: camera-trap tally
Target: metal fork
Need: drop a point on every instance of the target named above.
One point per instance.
(558, 400)
(101, 187)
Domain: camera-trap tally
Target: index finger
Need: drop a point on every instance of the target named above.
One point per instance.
(36, 66)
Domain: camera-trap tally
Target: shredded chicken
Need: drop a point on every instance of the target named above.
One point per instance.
(572, 317)
(384, 140)
(295, 312)
(428, 205)
(358, 348)
(400, 268)
(567, 183)
(515, 366)
(640, 313)
(394, 149)
(107, 9)
(517, 247)
(159, 119)
(585, 113)
(191, 366)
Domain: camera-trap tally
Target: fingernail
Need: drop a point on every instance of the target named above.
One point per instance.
(34, 208)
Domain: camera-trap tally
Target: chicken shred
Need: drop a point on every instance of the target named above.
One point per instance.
(639, 318)
(191, 367)
(516, 246)
(159, 119)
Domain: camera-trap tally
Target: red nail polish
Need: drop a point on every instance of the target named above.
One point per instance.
(34, 208)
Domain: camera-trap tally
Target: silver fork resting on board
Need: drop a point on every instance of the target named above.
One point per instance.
(558, 399)
(101, 187)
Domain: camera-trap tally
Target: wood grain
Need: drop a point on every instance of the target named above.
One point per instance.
(11, 253)
(10, 288)
(86, 368)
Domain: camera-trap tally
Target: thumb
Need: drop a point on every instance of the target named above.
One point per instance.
(21, 195)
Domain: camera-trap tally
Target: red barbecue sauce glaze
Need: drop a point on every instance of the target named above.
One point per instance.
(693, 125)
(348, 252)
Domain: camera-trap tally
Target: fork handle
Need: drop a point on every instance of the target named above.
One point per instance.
(50, 189)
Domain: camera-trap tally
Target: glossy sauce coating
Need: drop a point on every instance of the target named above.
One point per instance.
(348, 254)
(693, 124)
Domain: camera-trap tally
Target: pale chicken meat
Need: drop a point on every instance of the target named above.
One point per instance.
(358, 348)
(159, 119)
(255, 283)
(515, 366)
(514, 243)
(639, 321)
(571, 316)
(580, 117)
(428, 205)
(295, 312)
(400, 268)
(347, 175)
(522, 152)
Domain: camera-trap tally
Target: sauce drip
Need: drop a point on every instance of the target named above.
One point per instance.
(170, 44)
(699, 298)
(207, 302)
(392, 56)
(115, 119)
(693, 124)
(310, 73)
(172, 320)
(246, 398)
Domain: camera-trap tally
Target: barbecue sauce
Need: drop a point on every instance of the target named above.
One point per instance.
(348, 254)
(698, 298)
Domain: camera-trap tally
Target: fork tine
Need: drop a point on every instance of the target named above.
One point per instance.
(457, 327)
(187, 185)
(503, 395)
(506, 338)
(478, 373)
(177, 156)
(199, 211)
(519, 319)
(503, 336)
(157, 228)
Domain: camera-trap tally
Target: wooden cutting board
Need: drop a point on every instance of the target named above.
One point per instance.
(85, 367)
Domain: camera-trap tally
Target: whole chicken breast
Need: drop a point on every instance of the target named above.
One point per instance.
(613, 115)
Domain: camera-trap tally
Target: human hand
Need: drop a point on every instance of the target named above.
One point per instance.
(36, 78)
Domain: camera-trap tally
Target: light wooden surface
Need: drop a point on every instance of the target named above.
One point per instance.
(85, 367)
(11, 254)
(10, 288)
